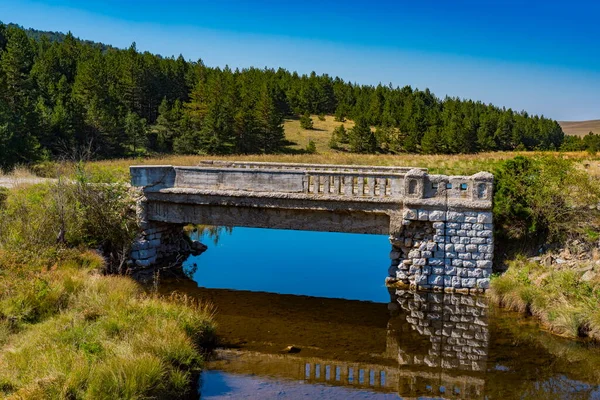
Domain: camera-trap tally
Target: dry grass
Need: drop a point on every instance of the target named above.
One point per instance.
(320, 134)
(580, 128)
(460, 164)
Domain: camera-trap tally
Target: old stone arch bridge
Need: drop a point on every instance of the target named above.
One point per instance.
(440, 226)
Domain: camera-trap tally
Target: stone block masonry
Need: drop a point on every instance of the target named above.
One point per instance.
(160, 243)
(446, 239)
(443, 250)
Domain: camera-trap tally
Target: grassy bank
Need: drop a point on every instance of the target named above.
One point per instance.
(560, 298)
(68, 330)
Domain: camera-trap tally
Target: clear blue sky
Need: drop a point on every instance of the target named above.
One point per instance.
(541, 56)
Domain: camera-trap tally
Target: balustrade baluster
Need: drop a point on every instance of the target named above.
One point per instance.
(371, 182)
(348, 185)
(382, 186)
(336, 185)
(344, 374)
(317, 184)
(326, 184)
(361, 186)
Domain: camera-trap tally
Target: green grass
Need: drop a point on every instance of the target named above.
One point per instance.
(67, 330)
(562, 302)
(72, 333)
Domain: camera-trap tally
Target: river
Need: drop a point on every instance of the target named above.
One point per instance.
(306, 315)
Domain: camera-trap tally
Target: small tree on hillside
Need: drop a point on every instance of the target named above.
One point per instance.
(306, 121)
(362, 139)
(339, 135)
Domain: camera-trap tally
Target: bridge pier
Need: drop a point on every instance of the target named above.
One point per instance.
(443, 250)
(160, 243)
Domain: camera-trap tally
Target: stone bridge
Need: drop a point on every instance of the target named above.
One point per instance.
(440, 226)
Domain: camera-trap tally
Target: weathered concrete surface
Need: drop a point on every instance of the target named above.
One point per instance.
(423, 214)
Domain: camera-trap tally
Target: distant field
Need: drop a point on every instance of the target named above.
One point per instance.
(580, 128)
(320, 134)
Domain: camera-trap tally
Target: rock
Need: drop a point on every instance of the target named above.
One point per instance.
(547, 260)
(588, 276)
(198, 247)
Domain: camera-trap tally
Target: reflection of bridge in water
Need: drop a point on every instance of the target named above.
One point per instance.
(436, 345)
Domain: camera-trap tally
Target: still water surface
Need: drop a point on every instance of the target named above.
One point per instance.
(352, 338)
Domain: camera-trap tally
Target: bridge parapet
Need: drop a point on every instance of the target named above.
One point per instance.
(413, 186)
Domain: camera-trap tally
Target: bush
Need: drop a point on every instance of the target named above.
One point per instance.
(34, 219)
(311, 147)
(306, 122)
(321, 117)
(542, 197)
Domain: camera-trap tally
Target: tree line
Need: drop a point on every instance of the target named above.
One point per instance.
(58, 93)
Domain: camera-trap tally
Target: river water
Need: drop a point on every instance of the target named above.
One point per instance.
(306, 315)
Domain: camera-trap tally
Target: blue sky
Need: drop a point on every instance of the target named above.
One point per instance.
(541, 56)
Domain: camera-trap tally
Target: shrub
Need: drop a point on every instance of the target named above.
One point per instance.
(306, 122)
(543, 197)
(311, 147)
(74, 214)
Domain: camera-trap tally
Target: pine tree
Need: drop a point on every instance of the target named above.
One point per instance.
(135, 129)
(361, 138)
(306, 121)
(270, 122)
(338, 136)
(311, 147)
(18, 117)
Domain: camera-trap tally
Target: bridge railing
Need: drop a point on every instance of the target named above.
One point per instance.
(354, 184)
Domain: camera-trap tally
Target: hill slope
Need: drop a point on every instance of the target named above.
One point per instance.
(580, 128)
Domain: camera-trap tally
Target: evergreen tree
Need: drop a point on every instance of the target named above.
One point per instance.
(338, 136)
(270, 122)
(306, 121)
(135, 129)
(361, 138)
(18, 118)
(58, 92)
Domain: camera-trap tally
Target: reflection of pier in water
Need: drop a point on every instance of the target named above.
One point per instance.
(436, 346)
